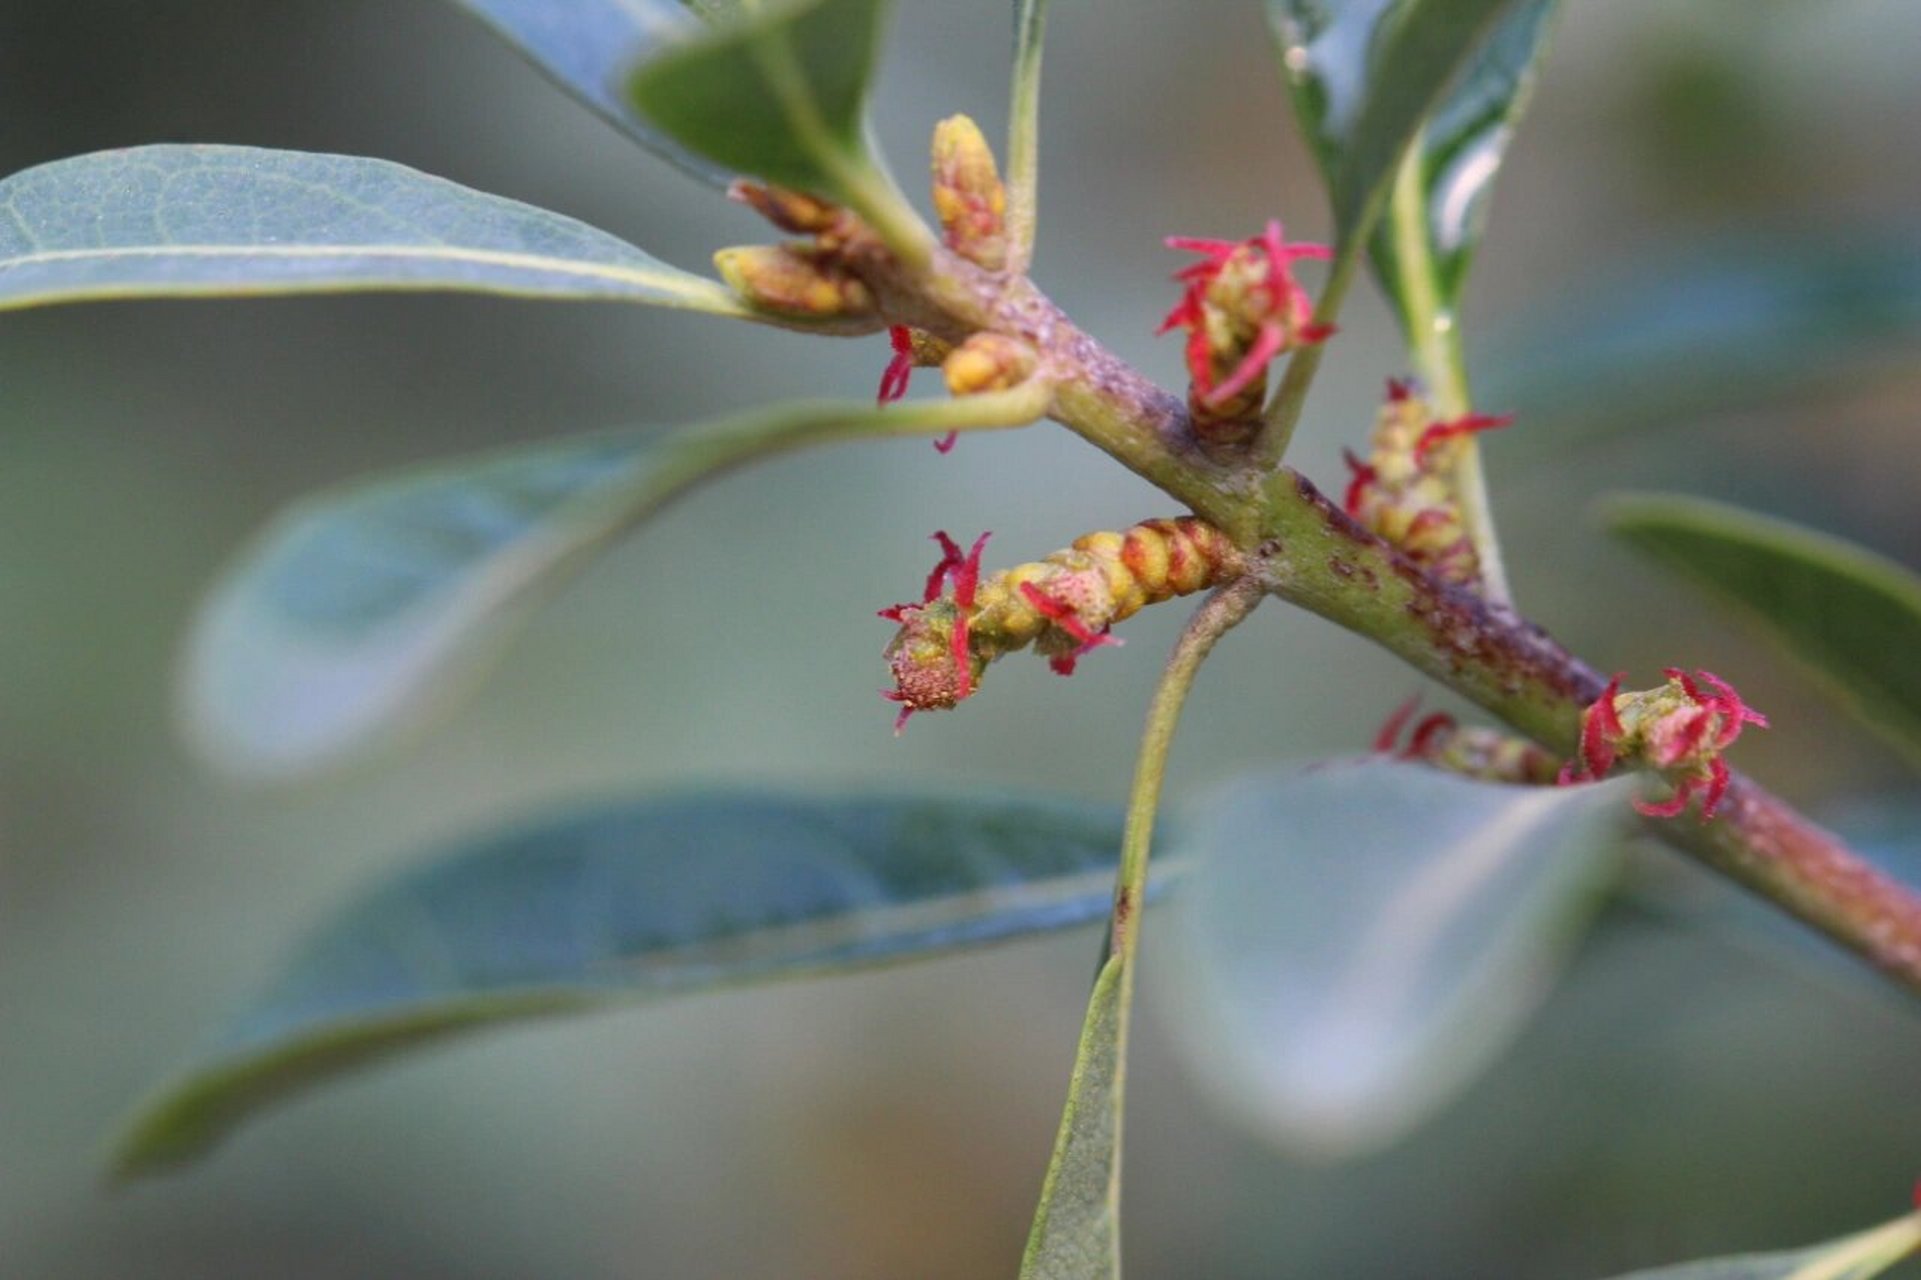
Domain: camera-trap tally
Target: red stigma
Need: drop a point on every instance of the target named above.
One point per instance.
(1422, 740)
(1601, 729)
(1062, 615)
(1390, 731)
(894, 379)
(1363, 475)
(1471, 424)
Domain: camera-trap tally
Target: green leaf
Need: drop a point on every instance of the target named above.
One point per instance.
(1076, 1232)
(1851, 616)
(1357, 940)
(185, 221)
(1423, 248)
(360, 608)
(1705, 330)
(588, 46)
(780, 94)
(1854, 1258)
(1364, 76)
(632, 900)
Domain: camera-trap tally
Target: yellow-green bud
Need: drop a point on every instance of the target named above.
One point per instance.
(968, 195)
(794, 281)
(988, 362)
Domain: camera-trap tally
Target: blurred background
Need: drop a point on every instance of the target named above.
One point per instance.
(1698, 1084)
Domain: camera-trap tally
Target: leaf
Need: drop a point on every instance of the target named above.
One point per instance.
(1364, 75)
(360, 608)
(780, 94)
(1422, 253)
(587, 46)
(1076, 1233)
(1854, 1258)
(1358, 939)
(631, 900)
(1852, 617)
(186, 221)
(1707, 329)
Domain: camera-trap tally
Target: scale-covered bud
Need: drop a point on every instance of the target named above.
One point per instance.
(1063, 605)
(969, 198)
(988, 362)
(794, 211)
(795, 280)
(1404, 490)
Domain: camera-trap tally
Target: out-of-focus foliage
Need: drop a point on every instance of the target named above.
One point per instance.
(889, 1125)
(1853, 617)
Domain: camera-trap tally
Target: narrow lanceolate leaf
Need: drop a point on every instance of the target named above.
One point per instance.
(359, 608)
(1076, 1233)
(588, 46)
(1851, 616)
(779, 94)
(186, 221)
(1425, 244)
(1366, 73)
(1707, 330)
(634, 900)
(1357, 940)
(1854, 1258)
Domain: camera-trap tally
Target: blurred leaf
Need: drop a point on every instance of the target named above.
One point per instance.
(1076, 1234)
(631, 900)
(184, 221)
(1459, 155)
(1359, 939)
(588, 46)
(1365, 74)
(360, 607)
(1706, 330)
(1852, 616)
(779, 94)
(1854, 1258)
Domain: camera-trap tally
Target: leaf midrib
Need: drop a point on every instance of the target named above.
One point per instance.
(696, 291)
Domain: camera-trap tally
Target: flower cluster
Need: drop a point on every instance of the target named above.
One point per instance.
(1404, 490)
(1063, 604)
(1241, 307)
(1680, 728)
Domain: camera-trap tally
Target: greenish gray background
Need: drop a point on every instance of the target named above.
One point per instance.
(1698, 1086)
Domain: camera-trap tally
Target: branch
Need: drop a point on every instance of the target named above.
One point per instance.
(1318, 558)
(1329, 565)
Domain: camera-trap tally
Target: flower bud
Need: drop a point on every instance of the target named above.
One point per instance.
(794, 281)
(988, 362)
(794, 211)
(968, 196)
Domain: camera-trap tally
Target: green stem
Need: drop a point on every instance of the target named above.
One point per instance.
(1221, 613)
(1079, 1211)
(1023, 135)
(1434, 338)
(1284, 411)
(864, 187)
